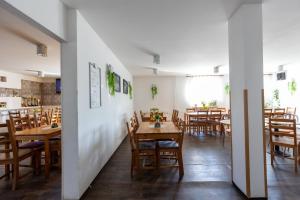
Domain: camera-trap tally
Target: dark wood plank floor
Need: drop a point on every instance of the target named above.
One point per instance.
(207, 176)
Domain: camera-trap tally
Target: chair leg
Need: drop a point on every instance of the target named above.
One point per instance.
(272, 153)
(295, 157)
(15, 175)
(132, 164)
(180, 162)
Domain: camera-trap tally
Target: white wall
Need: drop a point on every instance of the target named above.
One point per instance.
(100, 131)
(14, 82)
(175, 92)
(48, 14)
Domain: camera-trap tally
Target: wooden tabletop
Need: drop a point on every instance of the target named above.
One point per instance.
(39, 131)
(166, 127)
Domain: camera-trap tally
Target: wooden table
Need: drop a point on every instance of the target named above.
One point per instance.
(167, 131)
(43, 134)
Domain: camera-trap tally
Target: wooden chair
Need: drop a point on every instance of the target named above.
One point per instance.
(290, 113)
(172, 150)
(279, 112)
(12, 155)
(283, 134)
(214, 120)
(142, 116)
(136, 119)
(175, 115)
(141, 152)
(202, 121)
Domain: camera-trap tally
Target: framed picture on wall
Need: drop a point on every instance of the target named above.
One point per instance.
(117, 82)
(95, 86)
(125, 86)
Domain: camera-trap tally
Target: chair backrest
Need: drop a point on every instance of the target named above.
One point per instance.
(268, 112)
(130, 131)
(12, 139)
(284, 128)
(279, 112)
(215, 115)
(5, 147)
(136, 119)
(175, 115)
(182, 126)
(291, 110)
(202, 114)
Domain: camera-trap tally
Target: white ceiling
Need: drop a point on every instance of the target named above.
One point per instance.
(18, 42)
(190, 35)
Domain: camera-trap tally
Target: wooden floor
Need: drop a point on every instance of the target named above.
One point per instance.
(207, 176)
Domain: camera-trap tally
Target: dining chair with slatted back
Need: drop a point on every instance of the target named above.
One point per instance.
(136, 119)
(283, 134)
(172, 150)
(140, 151)
(202, 121)
(279, 112)
(13, 155)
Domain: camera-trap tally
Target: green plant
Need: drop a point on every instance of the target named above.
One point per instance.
(276, 97)
(154, 90)
(292, 86)
(110, 77)
(227, 88)
(212, 103)
(130, 90)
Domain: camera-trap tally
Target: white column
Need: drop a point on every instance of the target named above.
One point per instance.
(246, 82)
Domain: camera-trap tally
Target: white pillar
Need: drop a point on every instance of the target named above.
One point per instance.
(246, 82)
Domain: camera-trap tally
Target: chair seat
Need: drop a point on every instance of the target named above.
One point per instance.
(31, 145)
(147, 145)
(168, 144)
(56, 138)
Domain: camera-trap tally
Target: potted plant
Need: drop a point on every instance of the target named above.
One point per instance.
(110, 78)
(157, 117)
(130, 90)
(276, 99)
(292, 86)
(154, 90)
(227, 88)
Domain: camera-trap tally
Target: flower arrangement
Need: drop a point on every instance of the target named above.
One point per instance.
(154, 90)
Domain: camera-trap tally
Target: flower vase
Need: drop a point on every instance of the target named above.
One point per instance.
(157, 124)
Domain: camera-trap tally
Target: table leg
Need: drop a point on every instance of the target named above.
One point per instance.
(47, 158)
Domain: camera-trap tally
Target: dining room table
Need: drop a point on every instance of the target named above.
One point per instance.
(43, 133)
(166, 131)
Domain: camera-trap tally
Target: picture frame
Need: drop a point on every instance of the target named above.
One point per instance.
(95, 85)
(117, 82)
(125, 86)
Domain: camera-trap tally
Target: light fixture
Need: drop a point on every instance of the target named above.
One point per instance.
(41, 50)
(156, 59)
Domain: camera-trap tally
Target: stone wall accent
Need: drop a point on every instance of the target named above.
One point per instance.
(49, 95)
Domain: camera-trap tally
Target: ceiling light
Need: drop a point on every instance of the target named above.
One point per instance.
(41, 50)
(156, 59)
